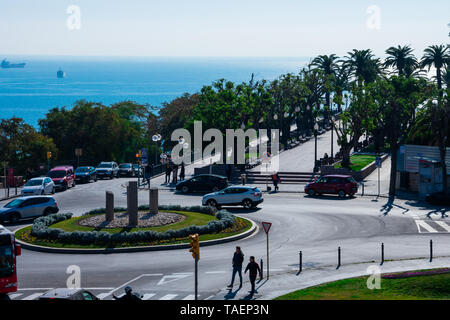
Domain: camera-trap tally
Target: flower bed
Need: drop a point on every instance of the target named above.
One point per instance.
(408, 274)
(41, 229)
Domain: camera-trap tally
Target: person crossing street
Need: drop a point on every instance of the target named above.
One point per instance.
(238, 259)
(254, 269)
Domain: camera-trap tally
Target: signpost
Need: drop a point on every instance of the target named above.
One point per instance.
(195, 250)
(49, 156)
(266, 158)
(378, 164)
(266, 227)
(78, 153)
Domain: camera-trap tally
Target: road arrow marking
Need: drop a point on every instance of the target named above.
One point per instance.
(172, 278)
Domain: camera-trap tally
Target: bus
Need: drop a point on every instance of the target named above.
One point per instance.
(9, 250)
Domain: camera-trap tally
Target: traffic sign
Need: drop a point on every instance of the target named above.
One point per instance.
(378, 162)
(266, 226)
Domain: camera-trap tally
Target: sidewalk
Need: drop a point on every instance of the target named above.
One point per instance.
(12, 193)
(280, 284)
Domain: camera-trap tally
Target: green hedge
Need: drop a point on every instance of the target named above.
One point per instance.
(40, 228)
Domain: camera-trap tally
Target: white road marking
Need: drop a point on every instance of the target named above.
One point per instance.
(189, 297)
(132, 280)
(147, 296)
(33, 296)
(109, 288)
(33, 289)
(426, 226)
(215, 272)
(209, 297)
(168, 297)
(173, 277)
(15, 295)
(443, 225)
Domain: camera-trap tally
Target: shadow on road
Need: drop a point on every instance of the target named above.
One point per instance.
(329, 197)
(241, 210)
(386, 208)
(231, 294)
(434, 209)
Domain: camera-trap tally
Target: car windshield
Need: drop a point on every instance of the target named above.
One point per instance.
(126, 165)
(14, 203)
(6, 259)
(82, 169)
(33, 183)
(136, 166)
(57, 174)
(105, 165)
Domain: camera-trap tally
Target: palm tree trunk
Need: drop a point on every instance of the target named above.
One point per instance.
(439, 81)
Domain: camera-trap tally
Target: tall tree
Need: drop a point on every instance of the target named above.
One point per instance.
(437, 56)
(363, 66)
(402, 59)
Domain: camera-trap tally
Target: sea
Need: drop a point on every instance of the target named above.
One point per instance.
(29, 93)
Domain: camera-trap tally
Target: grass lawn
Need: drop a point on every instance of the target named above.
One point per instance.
(411, 288)
(358, 161)
(240, 226)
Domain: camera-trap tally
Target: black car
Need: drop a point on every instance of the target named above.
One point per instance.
(203, 183)
(68, 294)
(126, 170)
(439, 198)
(85, 174)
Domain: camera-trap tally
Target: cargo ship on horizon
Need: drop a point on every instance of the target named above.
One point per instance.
(6, 64)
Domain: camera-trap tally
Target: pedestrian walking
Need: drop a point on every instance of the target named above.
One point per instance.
(238, 259)
(228, 171)
(148, 173)
(175, 174)
(276, 180)
(254, 269)
(168, 171)
(182, 171)
(28, 174)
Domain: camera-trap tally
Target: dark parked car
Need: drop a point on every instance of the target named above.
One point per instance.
(341, 185)
(107, 170)
(68, 294)
(126, 170)
(203, 183)
(439, 198)
(85, 174)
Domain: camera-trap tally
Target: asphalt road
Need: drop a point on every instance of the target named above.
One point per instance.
(317, 226)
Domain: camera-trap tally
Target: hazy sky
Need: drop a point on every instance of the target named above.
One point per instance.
(219, 28)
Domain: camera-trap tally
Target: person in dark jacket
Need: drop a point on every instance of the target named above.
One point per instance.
(175, 174)
(254, 269)
(182, 171)
(168, 171)
(276, 180)
(128, 296)
(238, 259)
(148, 173)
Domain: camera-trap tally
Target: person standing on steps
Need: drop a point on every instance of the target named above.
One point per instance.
(254, 269)
(238, 259)
(276, 180)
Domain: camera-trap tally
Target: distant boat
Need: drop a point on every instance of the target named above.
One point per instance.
(6, 64)
(60, 74)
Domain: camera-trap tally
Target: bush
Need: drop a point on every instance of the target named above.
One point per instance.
(40, 228)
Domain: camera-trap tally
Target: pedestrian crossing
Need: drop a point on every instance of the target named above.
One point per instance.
(26, 295)
(431, 226)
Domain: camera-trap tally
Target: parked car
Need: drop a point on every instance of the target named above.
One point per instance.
(107, 170)
(341, 185)
(138, 170)
(28, 207)
(68, 294)
(438, 198)
(63, 177)
(38, 186)
(85, 174)
(202, 183)
(126, 170)
(248, 197)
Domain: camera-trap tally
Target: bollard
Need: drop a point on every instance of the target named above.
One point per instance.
(339, 258)
(431, 250)
(262, 270)
(382, 254)
(153, 200)
(132, 203)
(109, 206)
(300, 262)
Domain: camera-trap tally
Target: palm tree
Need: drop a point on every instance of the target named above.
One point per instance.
(402, 59)
(446, 77)
(439, 57)
(363, 66)
(328, 65)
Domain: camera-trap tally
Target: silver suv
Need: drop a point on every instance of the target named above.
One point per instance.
(28, 207)
(107, 170)
(248, 197)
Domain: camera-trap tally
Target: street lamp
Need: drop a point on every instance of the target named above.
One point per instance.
(156, 138)
(332, 127)
(316, 128)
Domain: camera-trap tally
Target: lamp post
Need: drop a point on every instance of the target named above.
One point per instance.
(156, 138)
(332, 127)
(316, 128)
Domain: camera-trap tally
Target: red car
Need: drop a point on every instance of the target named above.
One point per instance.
(63, 177)
(341, 185)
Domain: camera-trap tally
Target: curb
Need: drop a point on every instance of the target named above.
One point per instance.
(254, 228)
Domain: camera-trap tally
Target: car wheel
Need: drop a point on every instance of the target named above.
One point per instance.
(64, 187)
(53, 190)
(341, 194)
(247, 203)
(47, 211)
(212, 203)
(185, 189)
(311, 192)
(42, 192)
(14, 217)
(111, 177)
